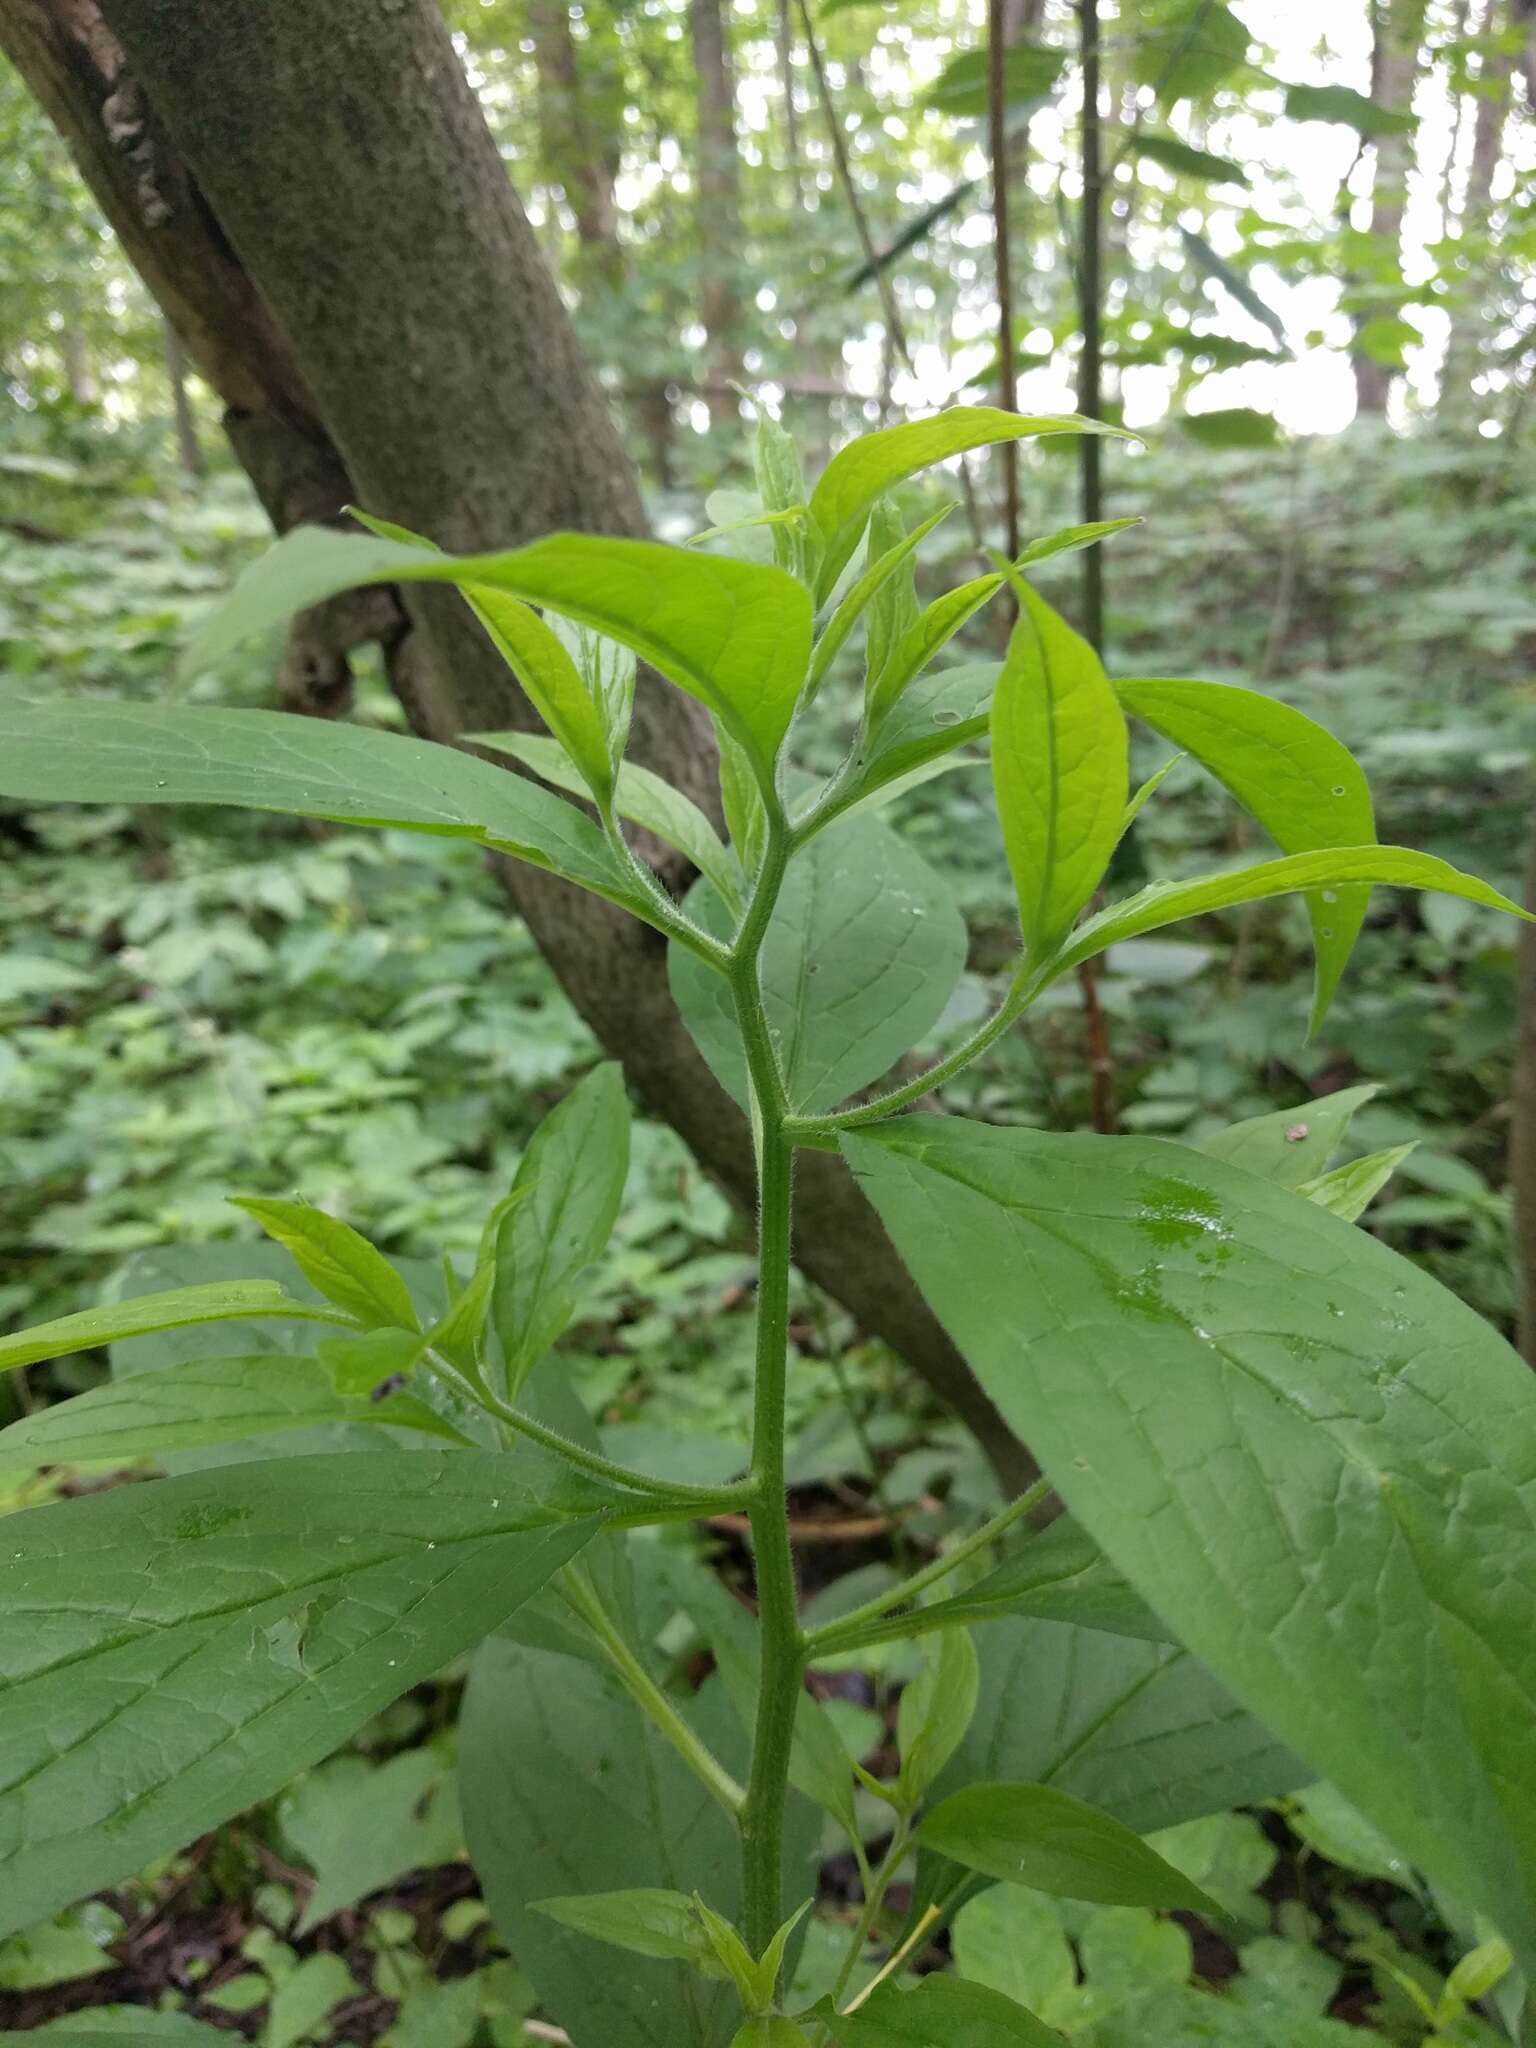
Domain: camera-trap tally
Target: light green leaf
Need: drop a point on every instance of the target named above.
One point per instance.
(303, 2001)
(58, 1952)
(642, 797)
(1350, 1190)
(767, 2031)
(1176, 155)
(221, 1302)
(173, 1653)
(741, 802)
(893, 609)
(647, 1921)
(565, 1201)
(135, 2023)
(1147, 791)
(1289, 1146)
(1165, 903)
(1274, 1426)
(1067, 540)
(864, 593)
(550, 679)
(1060, 764)
(1326, 1822)
(935, 1710)
(932, 718)
(188, 1407)
(1040, 1836)
(862, 955)
(1012, 1940)
(308, 767)
(942, 2012)
(337, 1261)
(1232, 426)
(781, 487)
(733, 634)
(1138, 1728)
(924, 639)
(861, 472)
(1304, 787)
(359, 1826)
(1341, 103)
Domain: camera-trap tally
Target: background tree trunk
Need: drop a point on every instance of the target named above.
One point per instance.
(577, 146)
(408, 349)
(1491, 108)
(719, 210)
(1398, 36)
(189, 450)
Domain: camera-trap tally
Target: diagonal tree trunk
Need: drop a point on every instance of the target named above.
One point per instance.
(318, 205)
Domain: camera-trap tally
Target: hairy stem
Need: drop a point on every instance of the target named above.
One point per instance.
(580, 1595)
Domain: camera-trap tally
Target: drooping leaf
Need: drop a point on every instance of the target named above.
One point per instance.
(1342, 104)
(1289, 1146)
(640, 796)
(550, 679)
(1040, 1836)
(647, 1921)
(935, 1710)
(1029, 73)
(183, 1307)
(1163, 903)
(337, 1261)
(1060, 765)
(1277, 1428)
(188, 1407)
(859, 473)
(942, 2012)
(1220, 271)
(1302, 785)
(172, 1653)
(734, 634)
(1176, 155)
(864, 950)
(565, 1201)
(307, 767)
(1186, 48)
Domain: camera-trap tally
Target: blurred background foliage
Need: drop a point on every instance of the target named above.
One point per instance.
(1320, 314)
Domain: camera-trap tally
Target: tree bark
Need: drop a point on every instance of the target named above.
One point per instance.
(1463, 348)
(1398, 34)
(1522, 1163)
(409, 347)
(719, 209)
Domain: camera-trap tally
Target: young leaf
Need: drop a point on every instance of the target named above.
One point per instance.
(1060, 765)
(871, 465)
(781, 487)
(1042, 1837)
(643, 798)
(741, 800)
(765, 2030)
(647, 1922)
(1163, 903)
(307, 767)
(1305, 788)
(862, 955)
(1350, 1190)
(550, 679)
(733, 1956)
(864, 593)
(173, 1653)
(893, 610)
(926, 637)
(337, 1262)
(1147, 791)
(932, 718)
(735, 635)
(567, 1191)
(1272, 1424)
(942, 2012)
(1289, 1146)
(224, 1301)
(935, 1710)
(189, 1407)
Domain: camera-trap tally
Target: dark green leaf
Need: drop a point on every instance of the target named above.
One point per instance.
(648, 1921)
(337, 1262)
(1040, 1836)
(1343, 104)
(1276, 1427)
(220, 1302)
(1185, 49)
(935, 1710)
(862, 955)
(1232, 426)
(1289, 1146)
(1231, 281)
(1304, 787)
(1176, 155)
(942, 2012)
(565, 1201)
(1030, 73)
(174, 1652)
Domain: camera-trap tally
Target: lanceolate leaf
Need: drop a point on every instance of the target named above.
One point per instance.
(643, 798)
(1166, 902)
(863, 594)
(1305, 788)
(222, 1302)
(859, 473)
(1060, 763)
(1040, 1836)
(1176, 155)
(337, 1262)
(309, 767)
(1350, 1190)
(734, 634)
(190, 1407)
(173, 1652)
(550, 679)
(1289, 1146)
(923, 640)
(864, 950)
(893, 610)
(648, 1921)
(942, 2012)
(1315, 1461)
(566, 1197)
(933, 717)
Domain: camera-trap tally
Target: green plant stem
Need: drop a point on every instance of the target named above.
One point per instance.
(708, 1499)
(828, 1641)
(874, 1898)
(762, 1820)
(580, 1595)
(668, 918)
